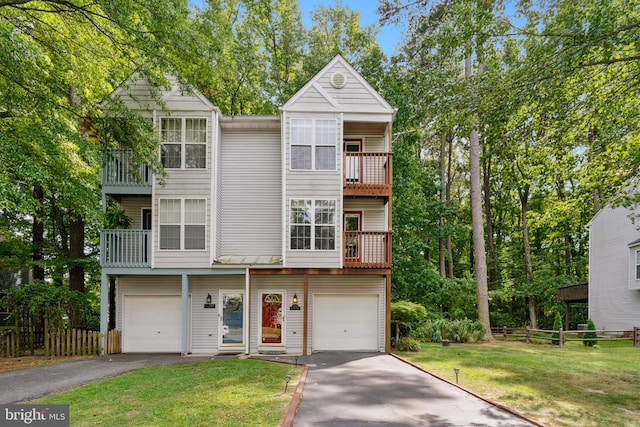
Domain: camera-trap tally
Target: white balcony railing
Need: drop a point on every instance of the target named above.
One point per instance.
(125, 248)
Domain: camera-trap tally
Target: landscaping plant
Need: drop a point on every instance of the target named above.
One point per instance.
(588, 337)
(557, 325)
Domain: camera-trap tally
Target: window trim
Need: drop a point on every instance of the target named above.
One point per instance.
(312, 225)
(183, 224)
(184, 143)
(637, 264)
(313, 144)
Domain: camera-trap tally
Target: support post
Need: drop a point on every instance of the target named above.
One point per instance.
(185, 312)
(561, 337)
(104, 309)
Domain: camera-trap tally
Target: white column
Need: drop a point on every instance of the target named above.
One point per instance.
(104, 309)
(185, 312)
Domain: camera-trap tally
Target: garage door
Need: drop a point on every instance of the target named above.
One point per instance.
(152, 324)
(345, 322)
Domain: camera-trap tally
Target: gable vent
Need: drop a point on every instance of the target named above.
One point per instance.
(338, 80)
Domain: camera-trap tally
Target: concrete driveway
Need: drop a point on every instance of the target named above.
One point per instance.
(356, 389)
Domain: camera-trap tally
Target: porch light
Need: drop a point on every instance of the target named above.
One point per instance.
(295, 305)
(208, 298)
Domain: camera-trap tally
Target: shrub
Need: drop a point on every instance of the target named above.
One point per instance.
(557, 325)
(406, 313)
(464, 330)
(590, 327)
(408, 344)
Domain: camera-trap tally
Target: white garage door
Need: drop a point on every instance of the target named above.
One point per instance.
(152, 324)
(345, 322)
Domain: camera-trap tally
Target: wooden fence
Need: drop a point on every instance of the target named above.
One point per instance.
(561, 336)
(62, 342)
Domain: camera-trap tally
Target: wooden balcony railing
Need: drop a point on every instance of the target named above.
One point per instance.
(125, 248)
(367, 249)
(120, 171)
(367, 174)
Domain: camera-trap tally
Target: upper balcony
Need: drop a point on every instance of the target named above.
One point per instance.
(125, 248)
(367, 174)
(120, 175)
(367, 249)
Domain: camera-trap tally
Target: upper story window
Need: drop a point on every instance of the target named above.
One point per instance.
(313, 224)
(184, 142)
(638, 264)
(313, 144)
(182, 224)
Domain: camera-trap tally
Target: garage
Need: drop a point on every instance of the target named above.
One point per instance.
(345, 322)
(152, 324)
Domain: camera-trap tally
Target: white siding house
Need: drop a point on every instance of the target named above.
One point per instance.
(267, 235)
(614, 269)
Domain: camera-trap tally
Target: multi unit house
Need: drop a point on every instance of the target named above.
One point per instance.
(614, 268)
(269, 234)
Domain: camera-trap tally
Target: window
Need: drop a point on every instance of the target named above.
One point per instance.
(638, 264)
(313, 224)
(184, 143)
(182, 224)
(313, 144)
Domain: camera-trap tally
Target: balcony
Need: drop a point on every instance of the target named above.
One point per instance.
(125, 248)
(367, 174)
(120, 175)
(367, 249)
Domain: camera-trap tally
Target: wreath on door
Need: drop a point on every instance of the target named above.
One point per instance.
(233, 302)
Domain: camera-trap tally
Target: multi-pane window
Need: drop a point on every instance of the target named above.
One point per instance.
(313, 224)
(184, 142)
(638, 264)
(313, 144)
(182, 224)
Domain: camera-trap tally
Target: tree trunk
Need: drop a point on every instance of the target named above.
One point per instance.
(448, 198)
(478, 226)
(493, 274)
(76, 252)
(443, 199)
(38, 234)
(524, 204)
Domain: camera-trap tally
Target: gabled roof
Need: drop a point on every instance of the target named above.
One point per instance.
(137, 94)
(341, 88)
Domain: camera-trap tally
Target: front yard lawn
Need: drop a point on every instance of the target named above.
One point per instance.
(216, 393)
(570, 386)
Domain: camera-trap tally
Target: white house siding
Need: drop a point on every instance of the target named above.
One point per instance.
(205, 323)
(251, 193)
(612, 304)
(373, 213)
(293, 319)
(132, 207)
(217, 162)
(372, 141)
(348, 285)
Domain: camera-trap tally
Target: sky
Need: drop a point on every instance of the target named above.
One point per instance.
(389, 35)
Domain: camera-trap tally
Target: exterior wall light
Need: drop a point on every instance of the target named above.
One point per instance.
(295, 305)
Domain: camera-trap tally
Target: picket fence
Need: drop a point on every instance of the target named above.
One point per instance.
(63, 342)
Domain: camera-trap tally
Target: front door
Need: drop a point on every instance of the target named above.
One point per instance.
(232, 328)
(272, 318)
(352, 228)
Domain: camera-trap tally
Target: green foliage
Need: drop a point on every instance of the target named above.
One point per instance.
(407, 312)
(408, 344)
(116, 218)
(589, 338)
(461, 331)
(557, 325)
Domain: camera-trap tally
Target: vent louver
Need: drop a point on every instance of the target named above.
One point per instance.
(338, 80)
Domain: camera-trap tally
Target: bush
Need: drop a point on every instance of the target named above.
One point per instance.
(590, 327)
(404, 314)
(408, 344)
(557, 325)
(464, 330)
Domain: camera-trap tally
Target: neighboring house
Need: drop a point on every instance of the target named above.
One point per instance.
(271, 234)
(614, 269)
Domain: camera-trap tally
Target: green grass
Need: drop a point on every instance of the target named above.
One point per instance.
(217, 393)
(570, 386)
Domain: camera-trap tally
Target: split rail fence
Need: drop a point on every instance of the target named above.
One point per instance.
(561, 336)
(62, 342)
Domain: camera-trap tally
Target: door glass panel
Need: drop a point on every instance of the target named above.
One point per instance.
(352, 161)
(272, 318)
(351, 228)
(232, 318)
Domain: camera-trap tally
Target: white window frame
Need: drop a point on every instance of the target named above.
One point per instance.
(637, 264)
(313, 223)
(306, 132)
(185, 222)
(185, 141)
